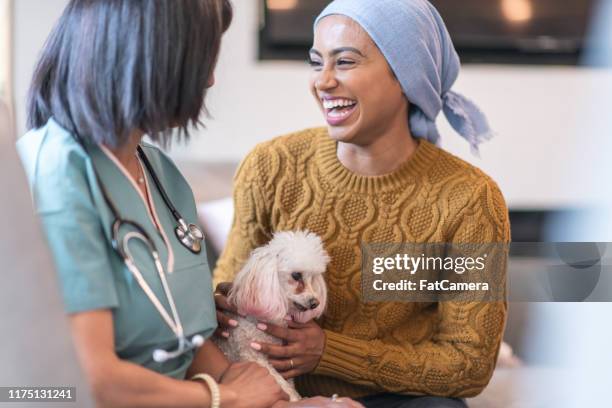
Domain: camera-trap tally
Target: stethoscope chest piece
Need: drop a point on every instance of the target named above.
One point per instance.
(190, 236)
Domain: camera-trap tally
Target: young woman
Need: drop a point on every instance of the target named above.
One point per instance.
(382, 71)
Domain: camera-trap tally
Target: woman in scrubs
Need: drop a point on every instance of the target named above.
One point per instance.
(111, 72)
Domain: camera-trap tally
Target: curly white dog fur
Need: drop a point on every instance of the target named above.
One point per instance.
(282, 278)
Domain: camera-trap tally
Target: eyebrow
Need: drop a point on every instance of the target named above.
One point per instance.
(337, 51)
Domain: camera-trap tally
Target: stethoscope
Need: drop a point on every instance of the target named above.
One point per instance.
(189, 235)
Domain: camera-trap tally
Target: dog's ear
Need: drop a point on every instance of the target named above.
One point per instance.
(320, 288)
(257, 290)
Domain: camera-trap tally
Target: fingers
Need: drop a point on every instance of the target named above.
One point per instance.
(286, 364)
(222, 303)
(226, 322)
(223, 288)
(287, 375)
(275, 351)
(283, 333)
(353, 404)
(221, 333)
(297, 325)
(346, 402)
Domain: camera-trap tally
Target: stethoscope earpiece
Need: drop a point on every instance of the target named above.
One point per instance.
(161, 356)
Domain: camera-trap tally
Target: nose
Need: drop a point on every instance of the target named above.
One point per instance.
(313, 303)
(325, 80)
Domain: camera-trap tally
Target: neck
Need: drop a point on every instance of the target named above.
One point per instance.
(127, 152)
(383, 155)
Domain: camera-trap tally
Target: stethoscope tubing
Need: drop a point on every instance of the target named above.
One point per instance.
(177, 216)
(192, 236)
(122, 247)
(173, 323)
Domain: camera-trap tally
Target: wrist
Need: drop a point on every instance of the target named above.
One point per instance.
(228, 396)
(211, 386)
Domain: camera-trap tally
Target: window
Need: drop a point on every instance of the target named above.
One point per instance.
(501, 31)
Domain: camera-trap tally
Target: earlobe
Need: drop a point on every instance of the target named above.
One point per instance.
(320, 288)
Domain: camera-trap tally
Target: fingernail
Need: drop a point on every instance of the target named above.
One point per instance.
(225, 334)
(233, 323)
(256, 346)
(262, 326)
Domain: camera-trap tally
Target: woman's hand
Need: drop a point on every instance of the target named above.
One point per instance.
(319, 402)
(225, 322)
(302, 348)
(249, 385)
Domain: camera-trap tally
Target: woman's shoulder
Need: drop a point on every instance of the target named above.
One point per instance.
(51, 151)
(463, 185)
(449, 168)
(57, 167)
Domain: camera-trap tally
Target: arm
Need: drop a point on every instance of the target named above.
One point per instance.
(116, 383)
(460, 358)
(209, 359)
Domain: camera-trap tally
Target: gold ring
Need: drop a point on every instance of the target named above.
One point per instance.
(291, 362)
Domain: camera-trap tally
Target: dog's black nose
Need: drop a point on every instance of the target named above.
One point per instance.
(313, 303)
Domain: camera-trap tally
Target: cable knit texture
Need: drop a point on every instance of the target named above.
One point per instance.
(296, 182)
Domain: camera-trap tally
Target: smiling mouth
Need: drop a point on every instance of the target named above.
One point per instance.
(338, 110)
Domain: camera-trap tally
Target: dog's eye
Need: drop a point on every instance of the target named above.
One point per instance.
(297, 276)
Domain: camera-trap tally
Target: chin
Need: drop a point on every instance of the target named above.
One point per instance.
(345, 134)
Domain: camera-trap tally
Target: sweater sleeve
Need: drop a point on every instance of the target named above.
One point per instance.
(250, 226)
(459, 359)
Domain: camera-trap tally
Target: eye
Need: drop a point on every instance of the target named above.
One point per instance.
(345, 62)
(297, 276)
(314, 63)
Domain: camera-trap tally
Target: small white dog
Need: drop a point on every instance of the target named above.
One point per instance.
(283, 278)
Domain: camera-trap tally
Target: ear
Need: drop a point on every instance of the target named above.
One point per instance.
(320, 290)
(257, 291)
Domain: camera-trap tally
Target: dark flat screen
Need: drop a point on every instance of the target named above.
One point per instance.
(481, 29)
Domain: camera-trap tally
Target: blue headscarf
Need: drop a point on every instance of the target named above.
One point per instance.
(414, 40)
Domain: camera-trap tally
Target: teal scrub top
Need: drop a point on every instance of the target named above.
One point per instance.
(77, 223)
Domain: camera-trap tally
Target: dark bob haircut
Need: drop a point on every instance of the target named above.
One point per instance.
(110, 68)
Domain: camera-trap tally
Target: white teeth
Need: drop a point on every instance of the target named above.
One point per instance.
(337, 114)
(335, 103)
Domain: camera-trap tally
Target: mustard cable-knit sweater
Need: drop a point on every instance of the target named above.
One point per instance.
(296, 182)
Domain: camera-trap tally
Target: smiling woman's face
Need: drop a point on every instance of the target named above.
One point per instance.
(353, 84)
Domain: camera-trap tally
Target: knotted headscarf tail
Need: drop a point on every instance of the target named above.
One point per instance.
(413, 38)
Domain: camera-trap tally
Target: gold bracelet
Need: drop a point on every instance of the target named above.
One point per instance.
(215, 394)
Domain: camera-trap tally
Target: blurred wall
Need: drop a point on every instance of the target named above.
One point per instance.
(5, 51)
(534, 109)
